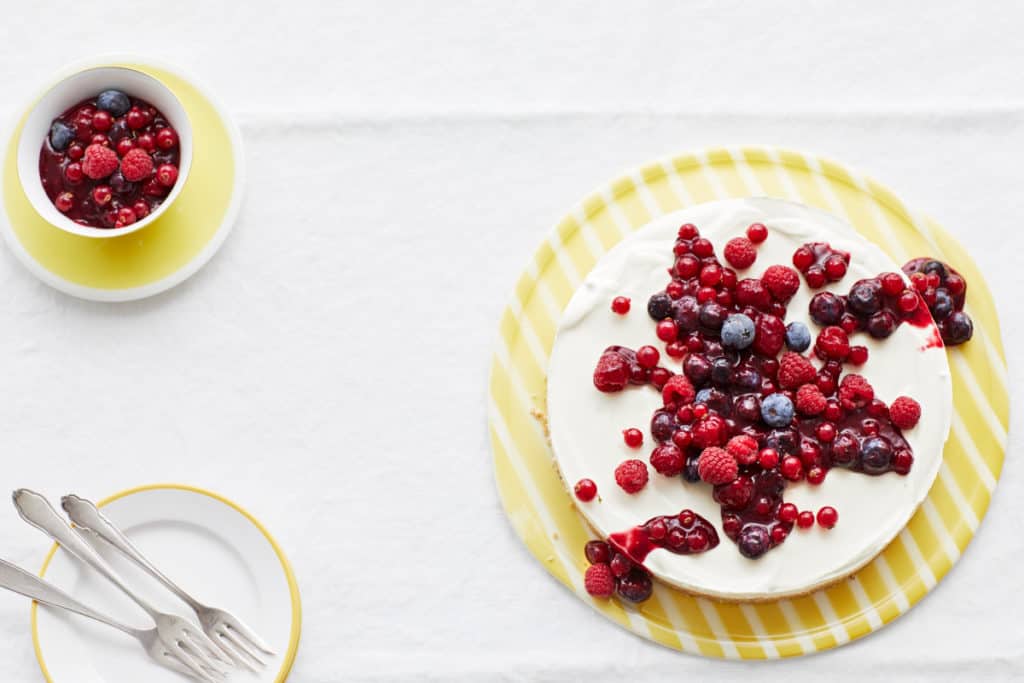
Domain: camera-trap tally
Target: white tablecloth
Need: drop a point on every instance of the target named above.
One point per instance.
(328, 368)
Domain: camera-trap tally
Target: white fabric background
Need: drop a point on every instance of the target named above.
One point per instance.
(328, 368)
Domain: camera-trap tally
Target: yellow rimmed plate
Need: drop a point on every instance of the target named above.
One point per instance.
(207, 544)
(161, 255)
(540, 507)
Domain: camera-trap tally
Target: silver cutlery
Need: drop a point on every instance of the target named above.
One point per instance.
(237, 640)
(190, 645)
(18, 580)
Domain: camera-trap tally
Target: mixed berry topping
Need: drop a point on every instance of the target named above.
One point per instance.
(109, 161)
(944, 291)
(751, 413)
(820, 263)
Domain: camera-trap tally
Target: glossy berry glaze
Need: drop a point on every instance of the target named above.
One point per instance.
(684, 534)
(820, 263)
(112, 200)
(944, 291)
(835, 420)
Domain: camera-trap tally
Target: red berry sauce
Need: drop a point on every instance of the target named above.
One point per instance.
(111, 201)
(684, 534)
(944, 291)
(854, 431)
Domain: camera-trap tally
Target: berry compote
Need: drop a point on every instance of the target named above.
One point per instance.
(944, 291)
(109, 161)
(735, 391)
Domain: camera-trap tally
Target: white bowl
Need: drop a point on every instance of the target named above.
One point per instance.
(69, 92)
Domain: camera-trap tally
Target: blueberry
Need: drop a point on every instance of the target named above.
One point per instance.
(776, 410)
(691, 474)
(865, 297)
(957, 329)
(737, 331)
(114, 101)
(798, 337)
(721, 371)
(753, 542)
(876, 454)
(943, 305)
(61, 135)
(686, 312)
(703, 396)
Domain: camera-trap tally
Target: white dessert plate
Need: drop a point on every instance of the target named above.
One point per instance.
(209, 546)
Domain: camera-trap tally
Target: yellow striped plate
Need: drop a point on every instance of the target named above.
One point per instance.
(541, 510)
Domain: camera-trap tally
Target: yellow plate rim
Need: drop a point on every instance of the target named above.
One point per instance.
(293, 585)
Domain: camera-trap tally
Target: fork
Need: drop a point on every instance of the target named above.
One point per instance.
(237, 640)
(187, 643)
(16, 579)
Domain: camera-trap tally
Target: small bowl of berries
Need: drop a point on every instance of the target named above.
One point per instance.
(105, 152)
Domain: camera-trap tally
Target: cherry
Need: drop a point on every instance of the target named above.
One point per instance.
(64, 202)
(768, 458)
(586, 489)
(166, 139)
(827, 517)
(787, 513)
(620, 304)
(167, 174)
(597, 552)
(635, 586)
(687, 231)
(73, 173)
(102, 195)
(135, 118)
(803, 257)
(757, 233)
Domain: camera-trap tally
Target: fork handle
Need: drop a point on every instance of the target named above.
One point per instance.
(17, 580)
(38, 512)
(87, 516)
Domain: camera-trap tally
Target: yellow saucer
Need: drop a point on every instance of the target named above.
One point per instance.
(164, 253)
(541, 510)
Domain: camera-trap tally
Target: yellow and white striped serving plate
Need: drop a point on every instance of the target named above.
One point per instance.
(540, 507)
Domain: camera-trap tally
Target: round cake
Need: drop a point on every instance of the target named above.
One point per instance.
(717, 414)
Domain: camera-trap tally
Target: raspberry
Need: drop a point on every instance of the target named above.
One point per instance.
(740, 252)
(832, 343)
(810, 400)
(711, 431)
(678, 390)
(611, 373)
(743, 448)
(599, 581)
(855, 392)
(667, 460)
(905, 412)
(631, 475)
(137, 165)
(716, 466)
(781, 281)
(795, 370)
(99, 161)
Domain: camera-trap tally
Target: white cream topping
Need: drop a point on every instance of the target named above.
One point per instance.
(586, 425)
